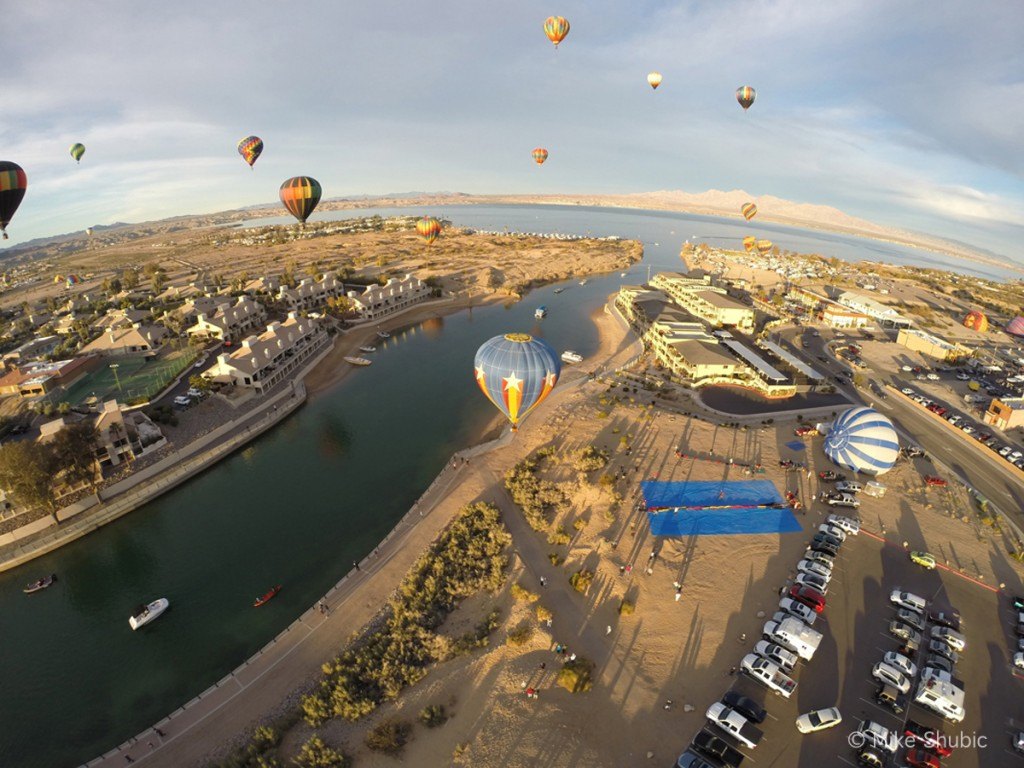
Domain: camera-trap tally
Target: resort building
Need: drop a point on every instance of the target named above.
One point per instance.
(263, 286)
(838, 316)
(229, 322)
(377, 301)
(310, 293)
(886, 316)
(187, 313)
(120, 436)
(36, 379)
(933, 346)
(31, 350)
(1005, 412)
(128, 341)
(711, 304)
(263, 361)
(119, 318)
(808, 298)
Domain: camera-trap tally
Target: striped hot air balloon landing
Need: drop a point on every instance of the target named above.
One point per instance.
(749, 211)
(863, 440)
(556, 28)
(764, 247)
(516, 372)
(300, 194)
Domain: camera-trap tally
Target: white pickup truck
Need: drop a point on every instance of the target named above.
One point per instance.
(735, 724)
(769, 674)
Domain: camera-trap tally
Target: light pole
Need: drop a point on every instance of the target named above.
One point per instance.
(114, 367)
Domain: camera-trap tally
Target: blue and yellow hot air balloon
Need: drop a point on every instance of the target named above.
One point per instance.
(516, 372)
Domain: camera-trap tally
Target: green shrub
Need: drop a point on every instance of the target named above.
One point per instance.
(626, 607)
(555, 558)
(579, 523)
(316, 754)
(581, 580)
(522, 594)
(543, 614)
(559, 536)
(521, 635)
(433, 715)
(389, 737)
(576, 675)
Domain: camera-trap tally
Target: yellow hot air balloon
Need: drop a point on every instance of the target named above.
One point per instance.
(556, 28)
(749, 243)
(654, 80)
(749, 211)
(764, 247)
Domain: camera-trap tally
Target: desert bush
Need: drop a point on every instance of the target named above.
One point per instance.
(575, 676)
(590, 458)
(522, 594)
(626, 607)
(535, 497)
(560, 536)
(521, 635)
(543, 613)
(555, 558)
(389, 737)
(581, 580)
(579, 523)
(316, 754)
(433, 715)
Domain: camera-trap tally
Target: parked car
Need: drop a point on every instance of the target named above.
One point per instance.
(940, 648)
(793, 608)
(916, 619)
(889, 696)
(811, 566)
(935, 661)
(900, 662)
(935, 480)
(690, 759)
(818, 720)
(182, 401)
(808, 596)
(832, 530)
(871, 757)
(195, 394)
(922, 758)
(713, 746)
(819, 557)
(827, 539)
(745, 705)
(848, 524)
(824, 548)
(907, 600)
(844, 500)
(887, 673)
(776, 653)
(904, 631)
(831, 477)
(878, 736)
(1018, 603)
(952, 638)
(924, 559)
(813, 581)
(948, 618)
(849, 486)
(1005, 450)
(928, 737)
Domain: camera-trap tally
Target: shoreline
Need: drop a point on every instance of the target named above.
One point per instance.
(275, 673)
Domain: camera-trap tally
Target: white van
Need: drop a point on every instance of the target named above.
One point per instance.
(907, 600)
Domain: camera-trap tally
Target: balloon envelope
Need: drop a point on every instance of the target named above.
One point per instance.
(654, 79)
(250, 149)
(516, 372)
(300, 194)
(749, 211)
(749, 243)
(764, 246)
(540, 155)
(429, 228)
(77, 150)
(556, 28)
(745, 95)
(13, 183)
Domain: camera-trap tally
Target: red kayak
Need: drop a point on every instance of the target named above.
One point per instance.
(267, 597)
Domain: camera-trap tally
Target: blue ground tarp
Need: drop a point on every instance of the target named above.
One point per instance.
(795, 445)
(715, 508)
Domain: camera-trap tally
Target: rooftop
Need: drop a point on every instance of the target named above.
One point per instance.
(720, 300)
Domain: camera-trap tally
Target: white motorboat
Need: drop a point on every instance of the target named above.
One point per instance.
(145, 614)
(559, 290)
(583, 281)
(368, 348)
(384, 334)
(540, 313)
(571, 357)
(358, 361)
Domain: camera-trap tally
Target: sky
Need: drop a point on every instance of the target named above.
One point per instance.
(909, 113)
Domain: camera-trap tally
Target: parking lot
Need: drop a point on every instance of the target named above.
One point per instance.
(855, 627)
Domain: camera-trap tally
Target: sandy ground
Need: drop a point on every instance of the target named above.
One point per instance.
(668, 650)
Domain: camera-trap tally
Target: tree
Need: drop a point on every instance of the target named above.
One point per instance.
(129, 279)
(199, 382)
(74, 449)
(26, 471)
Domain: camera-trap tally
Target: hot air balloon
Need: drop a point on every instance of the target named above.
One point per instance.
(764, 247)
(428, 228)
(516, 372)
(749, 211)
(13, 183)
(745, 96)
(540, 155)
(976, 320)
(77, 150)
(88, 230)
(556, 28)
(749, 243)
(654, 80)
(300, 195)
(250, 148)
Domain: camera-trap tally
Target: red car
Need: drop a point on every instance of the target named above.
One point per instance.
(802, 431)
(934, 480)
(922, 758)
(932, 739)
(812, 598)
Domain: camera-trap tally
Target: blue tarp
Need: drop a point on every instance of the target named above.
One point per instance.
(709, 493)
(714, 508)
(795, 445)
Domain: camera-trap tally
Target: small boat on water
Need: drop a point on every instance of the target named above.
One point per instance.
(358, 361)
(384, 334)
(571, 357)
(540, 313)
(40, 584)
(145, 614)
(559, 290)
(267, 597)
(622, 274)
(583, 281)
(367, 348)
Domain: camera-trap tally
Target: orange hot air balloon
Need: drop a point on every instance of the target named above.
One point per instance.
(556, 28)
(654, 80)
(749, 243)
(764, 247)
(749, 211)
(540, 155)
(429, 228)
(976, 320)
